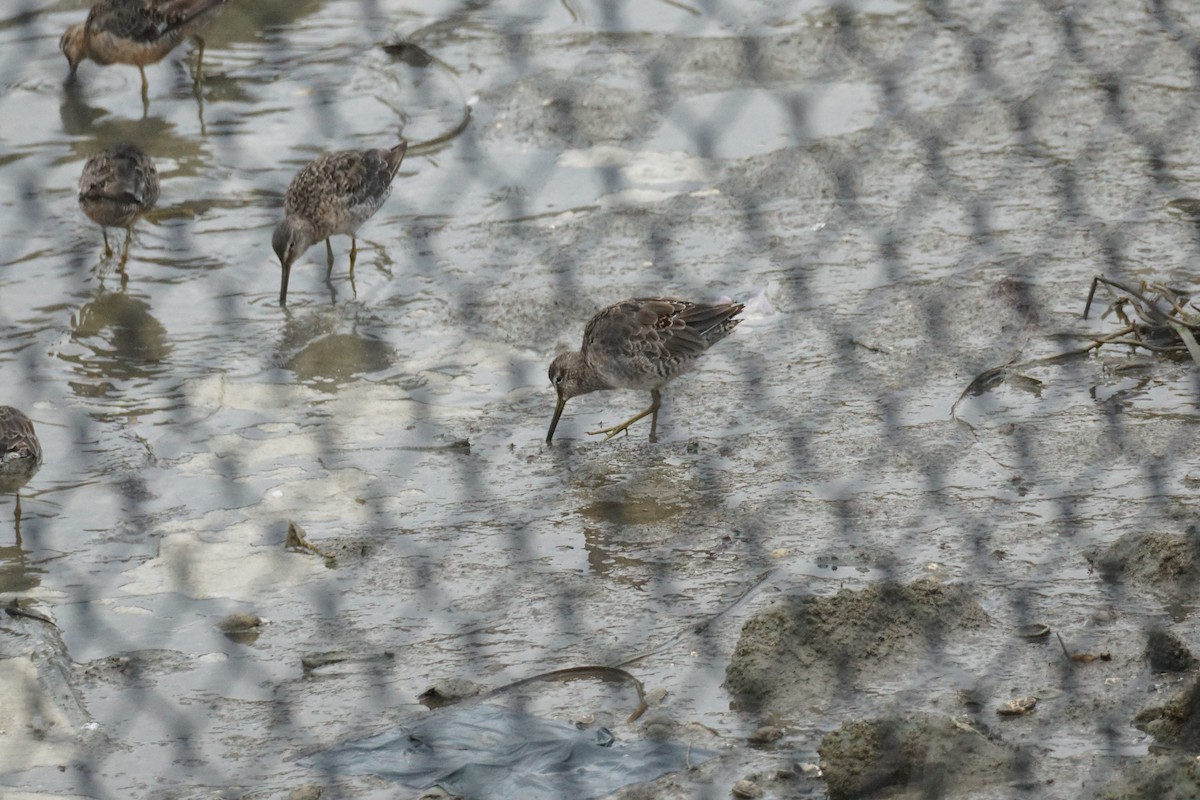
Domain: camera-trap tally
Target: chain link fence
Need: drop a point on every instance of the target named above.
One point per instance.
(916, 526)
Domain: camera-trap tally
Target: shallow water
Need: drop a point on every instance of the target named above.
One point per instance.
(611, 150)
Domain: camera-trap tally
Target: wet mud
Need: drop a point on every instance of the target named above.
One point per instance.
(822, 570)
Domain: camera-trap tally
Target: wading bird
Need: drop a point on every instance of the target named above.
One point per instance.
(118, 186)
(137, 32)
(20, 454)
(333, 194)
(640, 343)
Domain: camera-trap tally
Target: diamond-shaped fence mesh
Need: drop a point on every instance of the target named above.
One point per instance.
(917, 527)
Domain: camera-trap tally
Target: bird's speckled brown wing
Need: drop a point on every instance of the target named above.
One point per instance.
(118, 184)
(146, 21)
(656, 335)
(343, 189)
(122, 172)
(20, 451)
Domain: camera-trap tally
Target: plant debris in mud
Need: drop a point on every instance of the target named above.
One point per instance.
(1082, 658)
(456, 690)
(1153, 316)
(1160, 322)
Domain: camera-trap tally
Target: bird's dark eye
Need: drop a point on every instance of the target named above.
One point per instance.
(558, 379)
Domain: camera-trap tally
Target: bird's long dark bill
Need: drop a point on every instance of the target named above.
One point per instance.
(554, 422)
(283, 286)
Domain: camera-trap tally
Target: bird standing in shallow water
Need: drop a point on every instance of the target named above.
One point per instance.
(639, 344)
(20, 453)
(137, 32)
(116, 187)
(334, 194)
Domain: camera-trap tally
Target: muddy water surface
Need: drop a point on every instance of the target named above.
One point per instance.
(867, 193)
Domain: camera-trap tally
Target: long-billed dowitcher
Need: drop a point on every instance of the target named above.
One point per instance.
(639, 343)
(333, 194)
(137, 32)
(118, 186)
(20, 453)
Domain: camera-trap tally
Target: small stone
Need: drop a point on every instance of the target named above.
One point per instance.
(971, 699)
(658, 724)
(449, 691)
(1167, 653)
(309, 791)
(1018, 707)
(297, 539)
(747, 788)
(318, 660)
(765, 735)
(407, 52)
(655, 697)
(296, 536)
(241, 621)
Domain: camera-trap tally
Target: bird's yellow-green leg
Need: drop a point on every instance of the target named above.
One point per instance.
(656, 401)
(328, 259)
(199, 77)
(17, 520)
(125, 255)
(353, 253)
(107, 247)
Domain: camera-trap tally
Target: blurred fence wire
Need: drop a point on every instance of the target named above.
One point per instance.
(916, 523)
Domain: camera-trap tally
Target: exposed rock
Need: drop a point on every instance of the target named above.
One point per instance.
(242, 627)
(766, 734)
(937, 756)
(747, 789)
(1177, 722)
(1166, 652)
(309, 791)
(1156, 778)
(239, 621)
(1153, 560)
(803, 646)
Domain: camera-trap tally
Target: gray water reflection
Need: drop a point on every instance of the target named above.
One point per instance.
(17, 576)
(338, 357)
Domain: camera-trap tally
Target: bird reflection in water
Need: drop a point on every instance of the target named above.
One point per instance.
(322, 353)
(121, 341)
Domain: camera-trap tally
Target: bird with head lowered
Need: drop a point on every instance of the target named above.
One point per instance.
(333, 194)
(641, 343)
